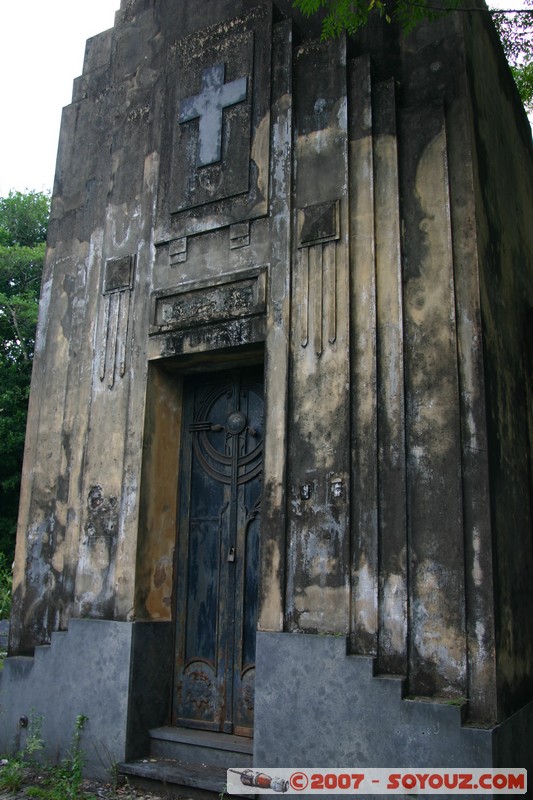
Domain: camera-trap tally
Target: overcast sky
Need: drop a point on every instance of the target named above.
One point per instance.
(41, 52)
(42, 44)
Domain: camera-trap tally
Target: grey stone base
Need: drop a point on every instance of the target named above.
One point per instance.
(317, 707)
(114, 673)
(4, 633)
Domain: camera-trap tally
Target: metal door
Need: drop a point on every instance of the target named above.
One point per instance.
(218, 552)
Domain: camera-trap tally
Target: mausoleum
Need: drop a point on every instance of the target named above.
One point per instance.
(277, 495)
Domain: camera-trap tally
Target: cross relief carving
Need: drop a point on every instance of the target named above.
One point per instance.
(215, 155)
(208, 107)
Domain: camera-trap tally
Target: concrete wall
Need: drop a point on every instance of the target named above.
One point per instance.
(350, 715)
(505, 253)
(100, 669)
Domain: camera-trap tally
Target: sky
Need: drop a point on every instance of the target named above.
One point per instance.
(42, 44)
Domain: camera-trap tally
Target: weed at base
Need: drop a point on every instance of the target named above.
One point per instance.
(6, 582)
(11, 775)
(55, 782)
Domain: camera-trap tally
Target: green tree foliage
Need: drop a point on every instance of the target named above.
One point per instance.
(23, 224)
(523, 76)
(516, 33)
(514, 27)
(24, 218)
(350, 15)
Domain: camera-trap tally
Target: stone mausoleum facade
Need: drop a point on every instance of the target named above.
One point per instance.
(277, 492)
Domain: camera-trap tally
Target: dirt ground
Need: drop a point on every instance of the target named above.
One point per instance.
(34, 788)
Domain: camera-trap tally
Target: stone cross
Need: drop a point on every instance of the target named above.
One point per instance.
(208, 107)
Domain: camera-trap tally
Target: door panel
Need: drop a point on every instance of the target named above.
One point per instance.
(218, 552)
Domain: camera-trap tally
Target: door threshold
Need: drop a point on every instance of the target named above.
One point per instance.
(177, 778)
(213, 739)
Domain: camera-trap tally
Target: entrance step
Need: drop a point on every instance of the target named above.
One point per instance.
(176, 778)
(189, 763)
(201, 747)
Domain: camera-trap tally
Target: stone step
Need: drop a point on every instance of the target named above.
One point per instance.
(204, 747)
(179, 779)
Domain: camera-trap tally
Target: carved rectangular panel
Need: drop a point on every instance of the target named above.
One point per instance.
(119, 273)
(192, 307)
(318, 223)
(117, 288)
(215, 154)
(212, 140)
(315, 288)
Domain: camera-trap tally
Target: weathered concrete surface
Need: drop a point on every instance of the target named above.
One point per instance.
(341, 725)
(155, 554)
(366, 236)
(271, 612)
(87, 670)
(317, 578)
(348, 715)
(434, 502)
(506, 297)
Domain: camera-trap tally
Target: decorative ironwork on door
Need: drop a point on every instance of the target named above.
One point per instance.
(218, 552)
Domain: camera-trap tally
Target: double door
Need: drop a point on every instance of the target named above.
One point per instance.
(218, 552)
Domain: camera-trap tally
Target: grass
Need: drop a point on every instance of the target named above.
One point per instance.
(39, 779)
(47, 782)
(6, 582)
(42, 780)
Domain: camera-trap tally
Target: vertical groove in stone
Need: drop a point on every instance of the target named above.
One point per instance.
(124, 328)
(315, 297)
(329, 259)
(302, 293)
(392, 645)
(105, 335)
(114, 336)
(122, 333)
(364, 496)
(114, 319)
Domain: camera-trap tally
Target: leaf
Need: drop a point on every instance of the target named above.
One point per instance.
(23, 223)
